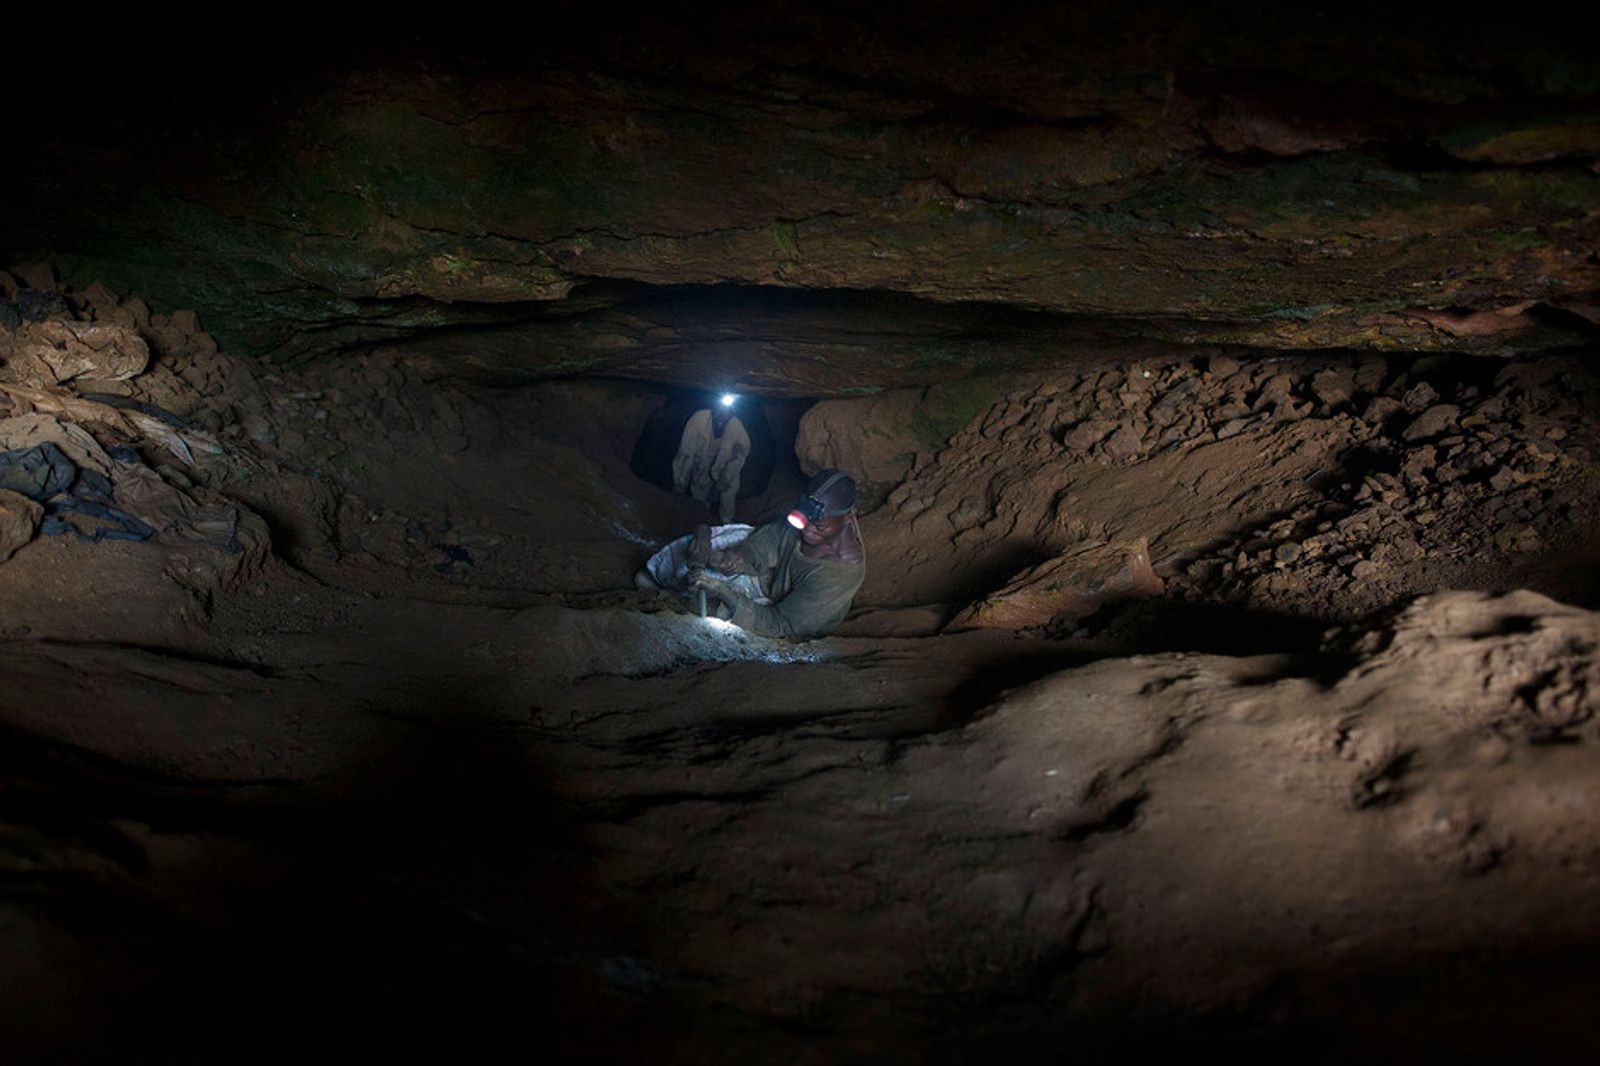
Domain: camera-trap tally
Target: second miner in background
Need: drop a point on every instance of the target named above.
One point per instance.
(711, 457)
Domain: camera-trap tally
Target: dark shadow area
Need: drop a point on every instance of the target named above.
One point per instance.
(967, 702)
(1485, 1006)
(1566, 319)
(795, 341)
(1571, 573)
(1149, 626)
(432, 901)
(995, 570)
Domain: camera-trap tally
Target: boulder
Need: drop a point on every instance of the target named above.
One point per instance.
(54, 351)
(1419, 397)
(1124, 444)
(38, 276)
(1432, 422)
(1334, 386)
(1087, 434)
(868, 436)
(1381, 410)
(19, 519)
(877, 438)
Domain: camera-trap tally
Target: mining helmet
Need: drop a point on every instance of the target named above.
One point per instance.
(830, 493)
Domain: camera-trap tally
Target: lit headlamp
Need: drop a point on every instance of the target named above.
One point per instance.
(807, 511)
(810, 508)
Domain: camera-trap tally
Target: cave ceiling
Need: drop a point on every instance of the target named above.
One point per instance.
(820, 200)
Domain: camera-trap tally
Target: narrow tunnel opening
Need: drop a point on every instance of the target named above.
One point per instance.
(772, 424)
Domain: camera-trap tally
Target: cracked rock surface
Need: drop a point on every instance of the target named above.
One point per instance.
(1180, 176)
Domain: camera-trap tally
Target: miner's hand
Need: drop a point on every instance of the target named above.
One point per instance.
(697, 578)
(736, 560)
(700, 552)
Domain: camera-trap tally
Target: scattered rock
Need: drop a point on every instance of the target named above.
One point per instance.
(1380, 410)
(1523, 540)
(1234, 427)
(1086, 435)
(1273, 391)
(1223, 366)
(1334, 386)
(41, 277)
(1417, 465)
(1503, 479)
(56, 351)
(258, 428)
(1419, 397)
(36, 305)
(1124, 444)
(1432, 422)
(19, 519)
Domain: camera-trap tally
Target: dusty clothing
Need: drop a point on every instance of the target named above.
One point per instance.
(669, 567)
(708, 466)
(809, 596)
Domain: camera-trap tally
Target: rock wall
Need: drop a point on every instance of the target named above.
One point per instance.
(360, 470)
(1326, 486)
(1182, 175)
(879, 439)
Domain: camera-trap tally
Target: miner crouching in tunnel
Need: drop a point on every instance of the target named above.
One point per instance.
(793, 577)
(711, 456)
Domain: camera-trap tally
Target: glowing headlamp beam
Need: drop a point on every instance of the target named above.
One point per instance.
(728, 398)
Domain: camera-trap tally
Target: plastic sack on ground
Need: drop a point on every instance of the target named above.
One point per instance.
(670, 565)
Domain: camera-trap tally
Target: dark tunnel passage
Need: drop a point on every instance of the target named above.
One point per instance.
(1207, 659)
(416, 763)
(405, 747)
(771, 424)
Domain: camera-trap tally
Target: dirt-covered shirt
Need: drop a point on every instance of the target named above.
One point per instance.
(707, 460)
(809, 596)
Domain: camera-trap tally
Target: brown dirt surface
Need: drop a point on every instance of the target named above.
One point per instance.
(428, 775)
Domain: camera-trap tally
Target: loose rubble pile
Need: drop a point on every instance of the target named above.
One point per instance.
(1325, 485)
(106, 434)
(166, 437)
(357, 465)
(1486, 474)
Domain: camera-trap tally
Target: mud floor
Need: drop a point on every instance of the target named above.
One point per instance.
(372, 748)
